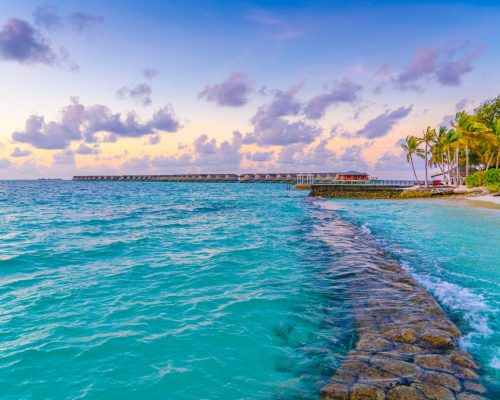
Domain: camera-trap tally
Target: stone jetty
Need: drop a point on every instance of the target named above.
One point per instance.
(381, 190)
(359, 191)
(407, 348)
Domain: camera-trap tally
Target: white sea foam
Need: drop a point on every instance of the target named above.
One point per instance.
(365, 229)
(471, 306)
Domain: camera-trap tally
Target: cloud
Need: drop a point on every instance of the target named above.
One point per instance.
(344, 92)
(272, 128)
(154, 139)
(85, 150)
(160, 164)
(260, 156)
(20, 42)
(140, 93)
(150, 73)
(46, 16)
(184, 160)
(5, 163)
(209, 153)
(80, 122)
(320, 158)
(204, 146)
(207, 156)
(82, 21)
(66, 157)
(233, 92)
(383, 123)
(391, 162)
(395, 166)
(352, 158)
(446, 65)
(20, 153)
(459, 106)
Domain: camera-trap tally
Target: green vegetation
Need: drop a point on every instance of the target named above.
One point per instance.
(490, 179)
(472, 144)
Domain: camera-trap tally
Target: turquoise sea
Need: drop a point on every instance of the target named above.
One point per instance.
(126, 290)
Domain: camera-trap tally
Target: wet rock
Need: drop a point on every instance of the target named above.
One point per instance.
(463, 359)
(366, 392)
(404, 393)
(438, 338)
(396, 354)
(474, 387)
(353, 366)
(469, 396)
(343, 377)
(375, 377)
(465, 373)
(335, 391)
(374, 344)
(402, 335)
(435, 392)
(434, 361)
(441, 379)
(396, 367)
(409, 349)
(359, 355)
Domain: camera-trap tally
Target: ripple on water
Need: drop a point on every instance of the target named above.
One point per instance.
(190, 291)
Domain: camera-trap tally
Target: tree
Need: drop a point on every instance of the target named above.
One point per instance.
(428, 138)
(496, 132)
(449, 144)
(469, 133)
(488, 113)
(411, 147)
(438, 152)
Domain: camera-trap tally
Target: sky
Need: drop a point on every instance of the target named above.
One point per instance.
(167, 87)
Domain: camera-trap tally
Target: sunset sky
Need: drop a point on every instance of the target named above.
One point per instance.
(160, 87)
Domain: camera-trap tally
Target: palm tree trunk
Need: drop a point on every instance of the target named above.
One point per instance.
(457, 170)
(466, 161)
(441, 167)
(426, 174)
(449, 165)
(490, 160)
(498, 158)
(414, 172)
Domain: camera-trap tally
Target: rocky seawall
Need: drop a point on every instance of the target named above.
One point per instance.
(356, 191)
(407, 348)
(367, 191)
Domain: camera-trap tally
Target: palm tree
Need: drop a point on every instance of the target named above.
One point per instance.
(449, 142)
(496, 132)
(469, 133)
(438, 152)
(428, 138)
(411, 147)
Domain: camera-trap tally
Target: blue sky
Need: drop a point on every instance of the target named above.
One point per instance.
(234, 86)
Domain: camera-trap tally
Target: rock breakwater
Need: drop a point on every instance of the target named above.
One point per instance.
(356, 191)
(407, 348)
(367, 191)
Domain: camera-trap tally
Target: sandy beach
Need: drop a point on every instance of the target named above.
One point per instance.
(482, 201)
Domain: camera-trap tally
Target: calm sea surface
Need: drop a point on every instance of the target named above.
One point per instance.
(127, 290)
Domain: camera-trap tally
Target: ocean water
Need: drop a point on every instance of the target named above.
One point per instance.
(126, 290)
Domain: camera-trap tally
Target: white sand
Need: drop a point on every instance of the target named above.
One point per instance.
(486, 197)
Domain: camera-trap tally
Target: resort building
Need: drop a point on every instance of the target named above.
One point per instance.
(351, 176)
